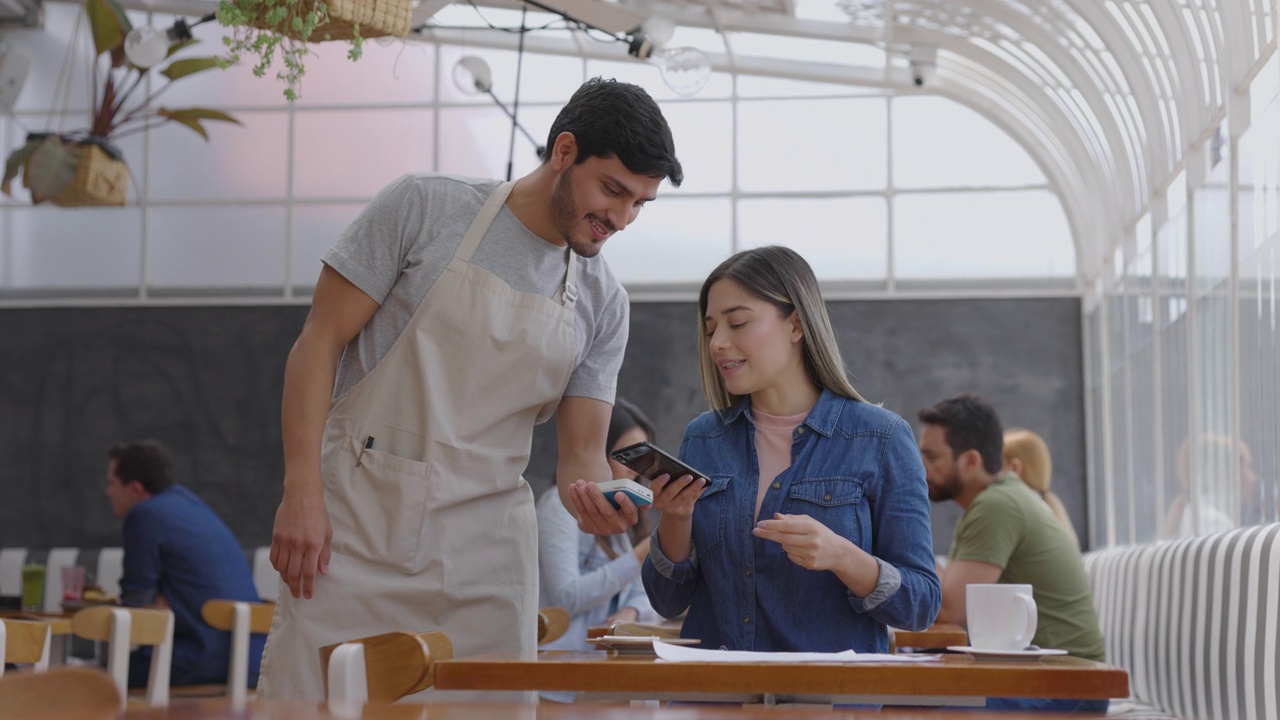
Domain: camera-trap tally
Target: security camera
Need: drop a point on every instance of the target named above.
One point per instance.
(922, 72)
(923, 61)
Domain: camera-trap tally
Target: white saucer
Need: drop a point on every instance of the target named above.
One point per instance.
(1008, 655)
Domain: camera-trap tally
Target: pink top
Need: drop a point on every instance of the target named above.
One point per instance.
(773, 447)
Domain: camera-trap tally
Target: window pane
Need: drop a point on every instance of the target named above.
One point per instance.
(956, 235)
(399, 71)
(315, 228)
(750, 86)
(50, 248)
(941, 143)
(352, 153)
(704, 145)
(238, 162)
(854, 247)
(222, 246)
(647, 76)
(234, 87)
(695, 230)
(476, 141)
(829, 145)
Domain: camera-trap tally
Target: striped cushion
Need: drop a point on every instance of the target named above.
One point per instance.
(1195, 621)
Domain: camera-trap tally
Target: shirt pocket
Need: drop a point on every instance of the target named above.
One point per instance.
(836, 502)
(709, 515)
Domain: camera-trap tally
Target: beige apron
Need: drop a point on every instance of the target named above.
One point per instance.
(433, 525)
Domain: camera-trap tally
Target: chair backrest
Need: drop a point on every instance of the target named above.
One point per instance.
(25, 642)
(11, 562)
(124, 627)
(552, 623)
(110, 570)
(265, 577)
(241, 619)
(60, 694)
(58, 559)
(381, 668)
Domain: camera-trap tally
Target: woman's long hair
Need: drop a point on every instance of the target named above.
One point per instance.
(779, 276)
(1037, 471)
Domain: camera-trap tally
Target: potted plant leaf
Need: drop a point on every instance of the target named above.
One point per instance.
(267, 28)
(84, 166)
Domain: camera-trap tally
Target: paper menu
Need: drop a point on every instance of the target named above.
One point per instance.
(676, 653)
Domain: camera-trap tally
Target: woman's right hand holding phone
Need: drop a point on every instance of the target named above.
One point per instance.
(675, 500)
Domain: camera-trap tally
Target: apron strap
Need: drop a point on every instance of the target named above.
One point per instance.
(480, 225)
(570, 289)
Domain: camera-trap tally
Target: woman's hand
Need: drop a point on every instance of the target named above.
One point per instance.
(675, 498)
(807, 542)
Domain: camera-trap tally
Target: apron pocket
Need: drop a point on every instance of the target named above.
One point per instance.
(377, 508)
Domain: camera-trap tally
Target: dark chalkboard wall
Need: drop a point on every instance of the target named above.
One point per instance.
(206, 381)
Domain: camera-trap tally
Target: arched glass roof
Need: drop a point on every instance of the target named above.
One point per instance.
(1108, 96)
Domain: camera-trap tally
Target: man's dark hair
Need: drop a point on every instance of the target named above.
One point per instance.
(616, 119)
(146, 461)
(971, 423)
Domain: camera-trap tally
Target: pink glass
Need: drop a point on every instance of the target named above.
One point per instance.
(73, 583)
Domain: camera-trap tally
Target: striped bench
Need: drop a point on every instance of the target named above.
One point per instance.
(106, 565)
(1196, 622)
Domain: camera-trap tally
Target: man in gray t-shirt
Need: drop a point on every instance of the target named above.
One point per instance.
(448, 318)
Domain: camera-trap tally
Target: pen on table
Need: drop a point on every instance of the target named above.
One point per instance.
(368, 443)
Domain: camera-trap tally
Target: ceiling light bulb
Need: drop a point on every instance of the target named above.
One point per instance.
(685, 70)
(145, 46)
(472, 75)
(659, 29)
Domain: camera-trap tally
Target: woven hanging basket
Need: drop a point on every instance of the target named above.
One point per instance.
(376, 18)
(100, 180)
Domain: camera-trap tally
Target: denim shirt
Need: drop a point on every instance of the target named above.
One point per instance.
(856, 469)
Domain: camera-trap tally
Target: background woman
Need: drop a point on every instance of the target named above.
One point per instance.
(1027, 456)
(595, 578)
(810, 531)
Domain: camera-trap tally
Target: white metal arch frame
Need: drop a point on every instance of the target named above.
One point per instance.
(1108, 96)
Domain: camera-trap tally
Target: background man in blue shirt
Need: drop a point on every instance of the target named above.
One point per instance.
(177, 554)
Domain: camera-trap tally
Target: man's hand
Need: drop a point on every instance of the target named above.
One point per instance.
(596, 516)
(675, 498)
(300, 541)
(807, 542)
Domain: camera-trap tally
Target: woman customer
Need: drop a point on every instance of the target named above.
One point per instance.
(810, 530)
(595, 578)
(1027, 456)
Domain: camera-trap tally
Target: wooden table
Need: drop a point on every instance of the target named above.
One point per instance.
(938, 636)
(59, 623)
(220, 709)
(947, 680)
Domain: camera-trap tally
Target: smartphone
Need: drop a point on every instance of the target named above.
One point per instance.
(651, 462)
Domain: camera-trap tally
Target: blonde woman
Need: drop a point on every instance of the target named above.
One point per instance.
(810, 531)
(1027, 456)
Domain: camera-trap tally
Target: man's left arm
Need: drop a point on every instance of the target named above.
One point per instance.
(140, 577)
(582, 425)
(955, 577)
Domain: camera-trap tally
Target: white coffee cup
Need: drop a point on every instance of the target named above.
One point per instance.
(1001, 617)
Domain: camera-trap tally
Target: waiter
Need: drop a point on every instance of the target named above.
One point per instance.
(448, 319)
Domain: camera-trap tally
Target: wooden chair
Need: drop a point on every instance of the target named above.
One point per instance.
(240, 619)
(380, 669)
(124, 627)
(60, 694)
(25, 642)
(552, 624)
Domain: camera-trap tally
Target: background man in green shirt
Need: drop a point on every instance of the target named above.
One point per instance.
(1007, 535)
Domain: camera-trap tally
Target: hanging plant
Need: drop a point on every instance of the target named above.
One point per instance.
(265, 29)
(84, 166)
